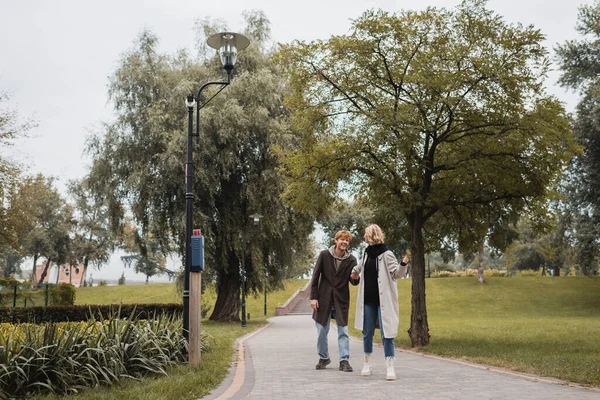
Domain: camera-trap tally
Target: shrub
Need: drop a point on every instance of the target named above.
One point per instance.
(443, 274)
(122, 279)
(102, 283)
(43, 358)
(62, 294)
(495, 272)
(442, 266)
(467, 273)
(527, 272)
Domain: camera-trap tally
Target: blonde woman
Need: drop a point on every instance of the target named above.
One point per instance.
(378, 298)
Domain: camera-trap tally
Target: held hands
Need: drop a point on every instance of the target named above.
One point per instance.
(314, 304)
(354, 275)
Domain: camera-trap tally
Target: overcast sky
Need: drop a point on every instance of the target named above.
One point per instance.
(56, 56)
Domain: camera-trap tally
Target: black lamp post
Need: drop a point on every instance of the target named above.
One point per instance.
(228, 44)
(256, 220)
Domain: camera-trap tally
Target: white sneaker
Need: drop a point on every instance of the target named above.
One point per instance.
(367, 369)
(391, 372)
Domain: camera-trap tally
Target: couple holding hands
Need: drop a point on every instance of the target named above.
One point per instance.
(376, 305)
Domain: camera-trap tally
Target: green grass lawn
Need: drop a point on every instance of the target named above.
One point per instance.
(128, 294)
(546, 326)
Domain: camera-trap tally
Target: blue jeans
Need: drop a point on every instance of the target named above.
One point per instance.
(372, 312)
(343, 340)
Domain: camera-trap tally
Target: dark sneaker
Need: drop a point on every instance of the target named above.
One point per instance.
(323, 362)
(345, 366)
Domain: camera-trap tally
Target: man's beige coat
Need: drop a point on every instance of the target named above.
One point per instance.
(388, 271)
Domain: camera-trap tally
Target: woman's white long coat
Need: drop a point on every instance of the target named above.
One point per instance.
(388, 271)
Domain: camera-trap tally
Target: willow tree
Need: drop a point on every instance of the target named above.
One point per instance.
(438, 116)
(139, 161)
(580, 67)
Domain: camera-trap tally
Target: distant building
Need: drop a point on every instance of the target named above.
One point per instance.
(66, 274)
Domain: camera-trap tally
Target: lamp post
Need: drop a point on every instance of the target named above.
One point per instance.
(228, 44)
(267, 282)
(256, 220)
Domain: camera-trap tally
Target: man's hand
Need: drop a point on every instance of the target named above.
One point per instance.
(314, 304)
(354, 276)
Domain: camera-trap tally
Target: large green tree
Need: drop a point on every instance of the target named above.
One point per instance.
(93, 241)
(12, 127)
(47, 222)
(438, 116)
(580, 64)
(139, 161)
(349, 215)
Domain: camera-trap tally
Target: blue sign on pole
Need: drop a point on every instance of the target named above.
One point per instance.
(197, 253)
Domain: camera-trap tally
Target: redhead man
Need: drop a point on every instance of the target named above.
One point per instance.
(330, 298)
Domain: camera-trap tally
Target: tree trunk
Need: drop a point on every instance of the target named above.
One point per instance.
(82, 282)
(480, 276)
(227, 306)
(419, 328)
(45, 272)
(33, 273)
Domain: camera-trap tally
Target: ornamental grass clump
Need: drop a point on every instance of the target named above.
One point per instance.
(64, 358)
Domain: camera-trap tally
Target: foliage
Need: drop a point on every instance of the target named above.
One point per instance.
(122, 279)
(579, 63)
(10, 262)
(12, 127)
(93, 241)
(102, 283)
(102, 352)
(47, 222)
(62, 294)
(438, 117)
(149, 259)
(138, 163)
(349, 215)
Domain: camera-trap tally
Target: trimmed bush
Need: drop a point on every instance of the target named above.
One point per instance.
(38, 315)
(62, 294)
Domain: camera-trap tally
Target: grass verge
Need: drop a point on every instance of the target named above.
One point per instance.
(541, 325)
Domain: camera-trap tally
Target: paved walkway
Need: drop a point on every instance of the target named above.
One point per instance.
(279, 363)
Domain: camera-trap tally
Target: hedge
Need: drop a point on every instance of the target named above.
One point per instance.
(38, 315)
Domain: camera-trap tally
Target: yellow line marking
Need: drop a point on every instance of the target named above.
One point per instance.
(240, 368)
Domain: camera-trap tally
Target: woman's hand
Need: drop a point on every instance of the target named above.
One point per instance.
(354, 276)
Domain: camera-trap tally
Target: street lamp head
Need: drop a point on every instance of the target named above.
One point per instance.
(190, 101)
(255, 218)
(228, 44)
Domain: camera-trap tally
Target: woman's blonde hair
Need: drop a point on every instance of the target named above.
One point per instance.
(374, 234)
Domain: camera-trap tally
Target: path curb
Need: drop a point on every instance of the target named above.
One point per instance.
(236, 377)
